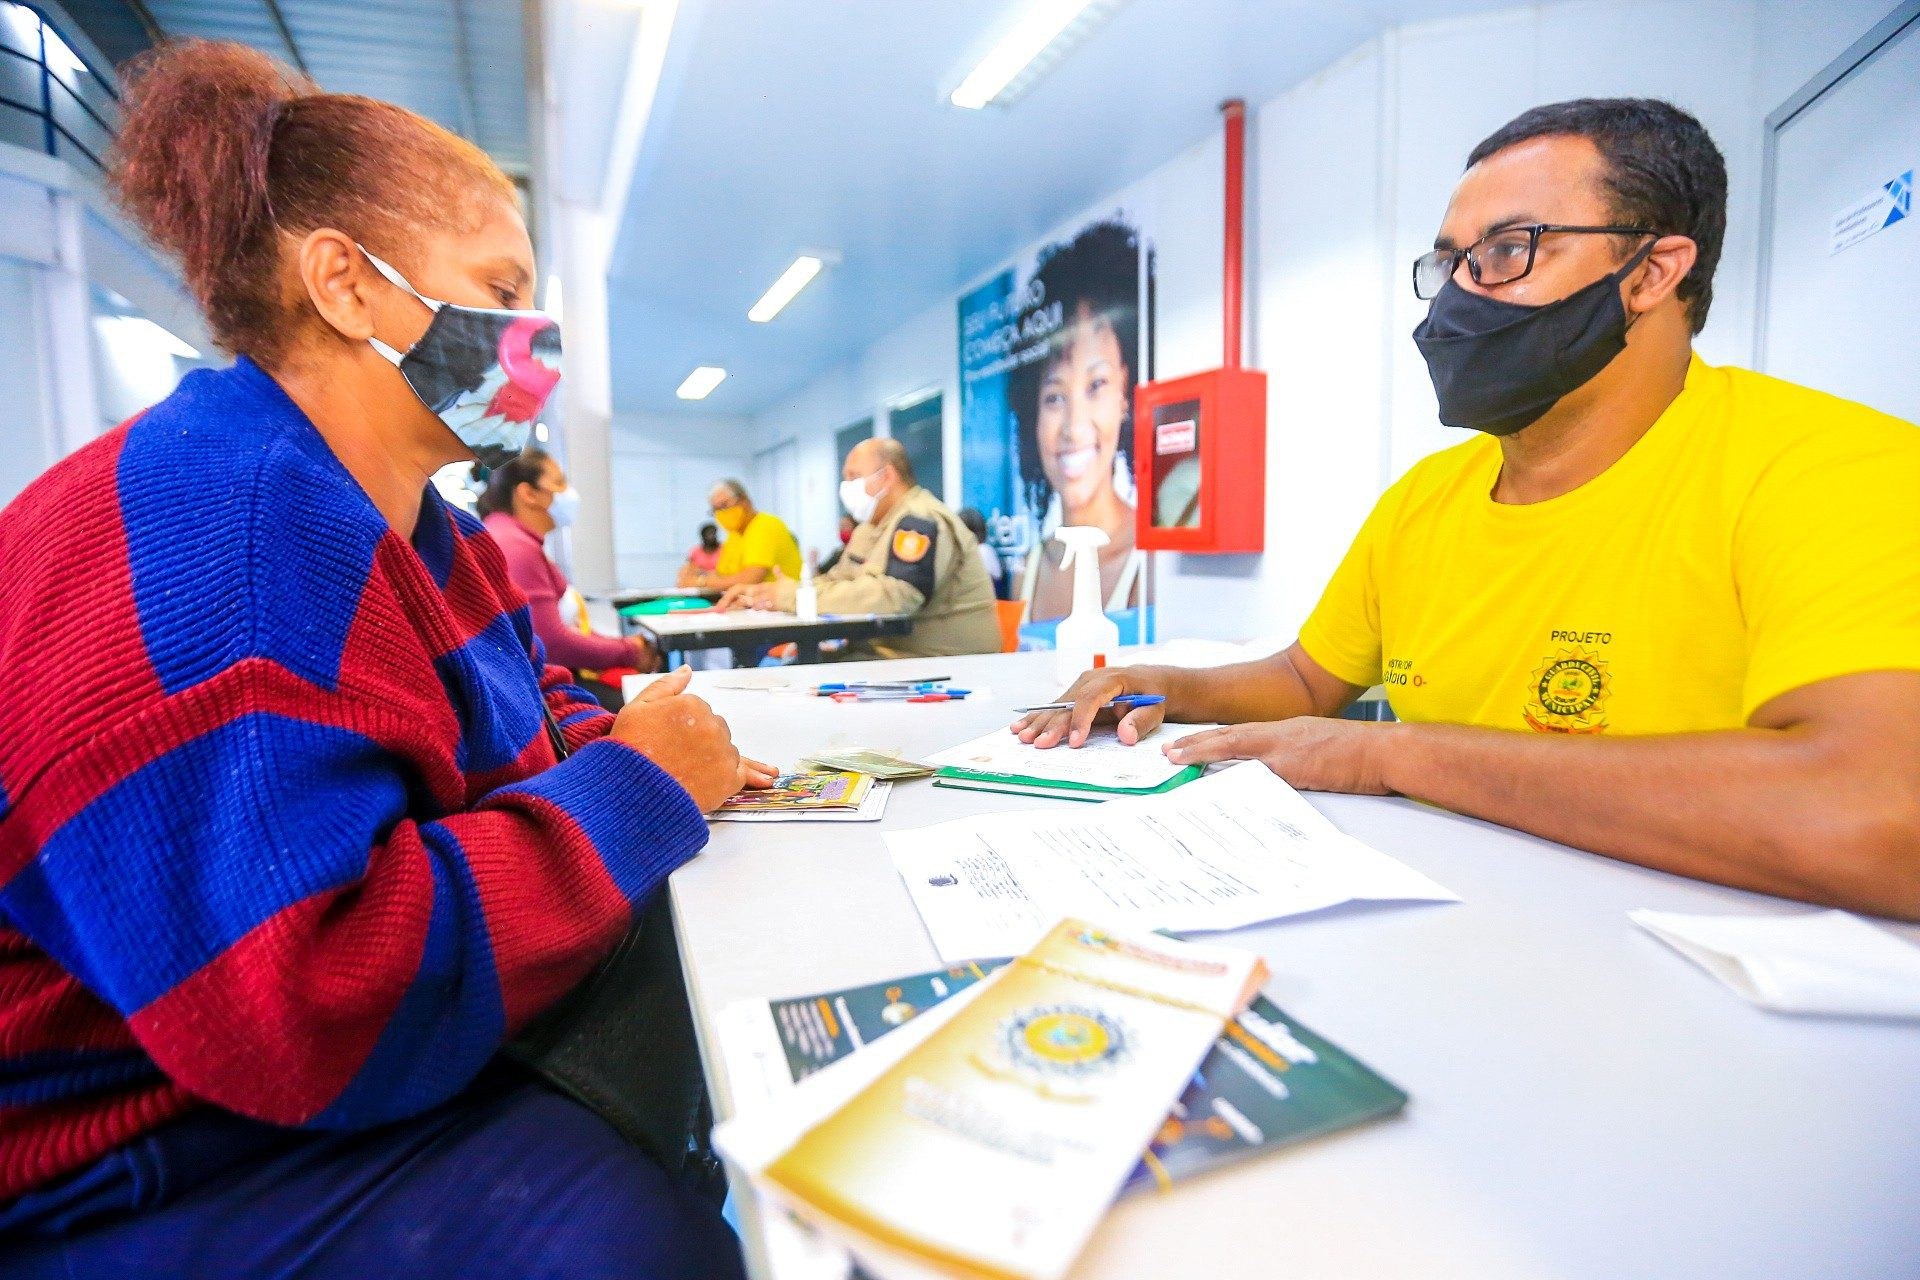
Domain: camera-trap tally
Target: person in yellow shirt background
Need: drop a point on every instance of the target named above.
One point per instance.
(758, 542)
(1656, 609)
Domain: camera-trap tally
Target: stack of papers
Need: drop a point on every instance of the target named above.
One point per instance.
(1233, 849)
(1102, 769)
(992, 1133)
(1823, 962)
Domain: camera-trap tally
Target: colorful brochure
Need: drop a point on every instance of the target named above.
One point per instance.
(1268, 1082)
(803, 793)
(995, 1143)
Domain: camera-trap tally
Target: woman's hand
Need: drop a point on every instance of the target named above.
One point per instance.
(682, 735)
(755, 776)
(1090, 695)
(1310, 752)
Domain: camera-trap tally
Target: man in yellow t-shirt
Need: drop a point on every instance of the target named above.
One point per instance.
(1660, 610)
(758, 542)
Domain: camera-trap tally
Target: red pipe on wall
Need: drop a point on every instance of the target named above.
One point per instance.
(1234, 274)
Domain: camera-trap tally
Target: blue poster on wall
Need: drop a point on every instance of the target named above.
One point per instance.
(1050, 351)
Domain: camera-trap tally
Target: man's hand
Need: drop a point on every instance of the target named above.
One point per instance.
(747, 595)
(1090, 695)
(682, 735)
(1309, 752)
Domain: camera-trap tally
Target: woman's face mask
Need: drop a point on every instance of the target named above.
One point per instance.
(485, 372)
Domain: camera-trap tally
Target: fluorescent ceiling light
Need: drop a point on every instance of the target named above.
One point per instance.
(791, 282)
(701, 382)
(1040, 39)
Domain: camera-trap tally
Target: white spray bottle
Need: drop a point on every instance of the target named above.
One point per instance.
(1086, 632)
(806, 597)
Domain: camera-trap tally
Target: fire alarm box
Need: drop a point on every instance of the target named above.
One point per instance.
(1200, 462)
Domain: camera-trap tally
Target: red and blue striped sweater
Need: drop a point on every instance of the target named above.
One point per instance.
(281, 829)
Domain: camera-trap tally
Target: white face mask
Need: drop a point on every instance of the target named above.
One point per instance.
(565, 508)
(854, 497)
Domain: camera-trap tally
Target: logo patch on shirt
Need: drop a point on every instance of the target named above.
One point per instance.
(1568, 693)
(910, 546)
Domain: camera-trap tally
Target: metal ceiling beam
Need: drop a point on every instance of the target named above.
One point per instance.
(144, 16)
(469, 116)
(286, 36)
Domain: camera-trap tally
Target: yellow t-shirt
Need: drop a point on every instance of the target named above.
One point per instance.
(766, 541)
(1761, 536)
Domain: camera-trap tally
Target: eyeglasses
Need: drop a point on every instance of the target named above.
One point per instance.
(1501, 257)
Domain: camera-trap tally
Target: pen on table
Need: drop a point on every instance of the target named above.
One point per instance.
(855, 686)
(1131, 701)
(899, 695)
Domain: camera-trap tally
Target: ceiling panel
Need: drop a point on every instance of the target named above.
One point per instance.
(789, 125)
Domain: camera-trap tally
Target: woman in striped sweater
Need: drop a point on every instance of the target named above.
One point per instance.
(270, 902)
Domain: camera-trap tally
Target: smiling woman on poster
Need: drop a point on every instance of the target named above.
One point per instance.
(1075, 410)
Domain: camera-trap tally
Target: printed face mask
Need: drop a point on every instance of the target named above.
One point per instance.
(484, 372)
(1499, 366)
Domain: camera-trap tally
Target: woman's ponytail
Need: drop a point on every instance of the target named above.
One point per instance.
(191, 163)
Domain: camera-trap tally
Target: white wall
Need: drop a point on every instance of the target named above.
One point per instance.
(1349, 173)
(662, 468)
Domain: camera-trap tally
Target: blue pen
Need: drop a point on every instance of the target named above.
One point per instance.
(1130, 701)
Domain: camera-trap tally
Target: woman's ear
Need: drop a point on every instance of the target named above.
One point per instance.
(337, 279)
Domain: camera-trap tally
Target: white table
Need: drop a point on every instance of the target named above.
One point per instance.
(1585, 1102)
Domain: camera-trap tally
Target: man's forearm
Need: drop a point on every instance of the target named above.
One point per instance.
(1270, 689)
(1777, 810)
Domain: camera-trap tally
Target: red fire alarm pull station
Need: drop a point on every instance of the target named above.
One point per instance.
(1200, 442)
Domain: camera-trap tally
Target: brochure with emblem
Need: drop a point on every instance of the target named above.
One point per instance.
(1268, 1082)
(995, 1142)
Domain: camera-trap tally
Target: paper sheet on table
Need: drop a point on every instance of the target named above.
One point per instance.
(1824, 962)
(1104, 761)
(769, 1119)
(1235, 848)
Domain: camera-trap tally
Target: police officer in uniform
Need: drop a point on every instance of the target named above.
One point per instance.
(910, 554)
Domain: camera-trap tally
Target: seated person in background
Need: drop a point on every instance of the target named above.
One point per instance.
(527, 498)
(910, 554)
(847, 525)
(758, 542)
(989, 558)
(705, 556)
(1659, 610)
(274, 900)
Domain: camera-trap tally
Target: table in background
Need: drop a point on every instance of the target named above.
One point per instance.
(748, 632)
(645, 595)
(1586, 1103)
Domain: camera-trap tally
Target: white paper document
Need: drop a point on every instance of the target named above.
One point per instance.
(1235, 848)
(1104, 761)
(1820, 962)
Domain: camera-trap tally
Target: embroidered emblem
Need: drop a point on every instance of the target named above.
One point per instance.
(910, 546)
(1568, 693)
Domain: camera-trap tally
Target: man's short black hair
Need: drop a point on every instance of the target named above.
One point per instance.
(1663, 171)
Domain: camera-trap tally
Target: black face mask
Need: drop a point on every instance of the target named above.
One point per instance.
(1499, 366)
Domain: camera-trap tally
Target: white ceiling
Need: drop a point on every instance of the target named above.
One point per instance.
(783, 126)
